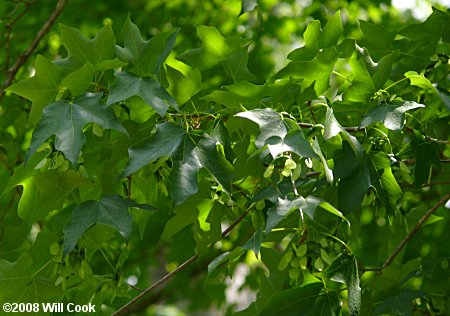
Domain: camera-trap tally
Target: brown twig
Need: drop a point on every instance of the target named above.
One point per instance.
(125, 308)
(21, 60)
(413, 231)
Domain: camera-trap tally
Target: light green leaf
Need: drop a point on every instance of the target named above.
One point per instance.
(111, 211)
(45, 192)
(388, 190)
(316, 39)
(153, 94)
(41, 89)
(294, 141)
(368, 76)
(318, 151)
(66, 121)
(79, 80)
(182, 87)
(317, 71)
(421, 82)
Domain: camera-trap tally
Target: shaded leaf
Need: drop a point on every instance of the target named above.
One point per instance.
(281, 209)
(344, 269)
(148, 89)
(66, 121)
(254, 243)
(146, 57)
(96, 51)
(297, 301)
(111, 211)
(391, 115)
(164, 142)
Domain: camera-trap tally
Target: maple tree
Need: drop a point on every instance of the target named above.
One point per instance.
(138, 169)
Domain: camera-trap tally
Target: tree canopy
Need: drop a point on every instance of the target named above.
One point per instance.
(239, 157)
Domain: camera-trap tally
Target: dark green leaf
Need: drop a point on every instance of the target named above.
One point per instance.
(111, 211)
(148, 89)
(146, 57)
(391, 115)
(281, 209)
(344, 269)
(66, 121)
(254, 243)
(298, 301)
(164, 142)
(96, 51)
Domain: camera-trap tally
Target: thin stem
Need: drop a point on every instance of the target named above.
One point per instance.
(22, 59)
(125, 308)
(407, 238)
(395, 83)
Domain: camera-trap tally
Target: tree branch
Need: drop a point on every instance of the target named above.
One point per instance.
(413, 231)
(21, 60)
(125, 308)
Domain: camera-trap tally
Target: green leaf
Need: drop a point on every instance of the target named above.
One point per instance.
(368, 76)
(317, 71)
(209, 158)
(421, 82)
(377, 40)
(183, 177)
(182, 87)
(66, 121)
(19, 283)
(80, 50)
(254, 243)
(218, 261)
(294, 141)
(231, 52)
(344, 269)
(427, 158)
(164, 142)
(111, 211)
(45, 192)
(281, 209)
(297, 301)
(146, 57)
(41, 89)
(332, 128)
(388, 190)
(318, 151)
(391, 115)
(312, 203)
(316, 39)
(354, 177)
(270, 124)
(148, 89)
(327, 304)
(79, 80)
